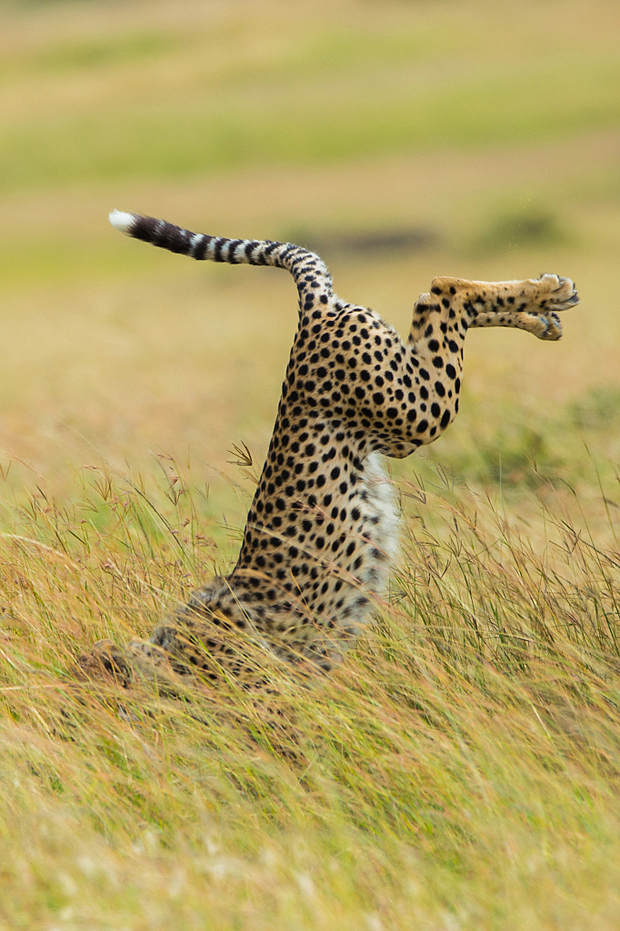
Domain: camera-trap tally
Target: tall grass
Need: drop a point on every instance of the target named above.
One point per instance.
(458, 770)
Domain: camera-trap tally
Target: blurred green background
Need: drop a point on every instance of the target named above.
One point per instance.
(403, 139)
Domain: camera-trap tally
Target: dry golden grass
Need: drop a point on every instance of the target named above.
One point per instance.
(460, 770)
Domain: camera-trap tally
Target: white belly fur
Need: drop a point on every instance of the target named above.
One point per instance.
(381, 503)
(380, 519)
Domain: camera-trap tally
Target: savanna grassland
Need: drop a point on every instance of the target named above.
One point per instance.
(460, 770)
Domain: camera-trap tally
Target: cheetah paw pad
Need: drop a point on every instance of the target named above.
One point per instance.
(558, 294)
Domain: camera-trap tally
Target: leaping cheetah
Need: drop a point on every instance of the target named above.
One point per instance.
(322, 528)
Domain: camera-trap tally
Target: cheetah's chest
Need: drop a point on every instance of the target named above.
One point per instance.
(309, 566)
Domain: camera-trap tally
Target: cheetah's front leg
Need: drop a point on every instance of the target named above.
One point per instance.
(440, 323)
(530, 305)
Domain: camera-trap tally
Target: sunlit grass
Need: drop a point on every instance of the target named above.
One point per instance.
(470, 743)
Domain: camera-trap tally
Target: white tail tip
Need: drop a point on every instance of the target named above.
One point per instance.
(122, 221)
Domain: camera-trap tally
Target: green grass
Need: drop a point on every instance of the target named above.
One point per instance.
(459, 770)
(287, 123)
(226, 95)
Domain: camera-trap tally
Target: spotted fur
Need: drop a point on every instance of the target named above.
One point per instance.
(322, 529)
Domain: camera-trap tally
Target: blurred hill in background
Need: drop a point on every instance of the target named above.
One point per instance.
(402, 139)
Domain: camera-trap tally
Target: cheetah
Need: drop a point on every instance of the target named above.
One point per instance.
(322, 529)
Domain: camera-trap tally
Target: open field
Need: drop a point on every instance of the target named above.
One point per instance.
(460, 770)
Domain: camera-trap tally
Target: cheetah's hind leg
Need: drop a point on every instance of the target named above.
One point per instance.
(531, 305)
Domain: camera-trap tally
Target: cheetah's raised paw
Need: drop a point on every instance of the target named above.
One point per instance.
(556, 294)
(552, 327)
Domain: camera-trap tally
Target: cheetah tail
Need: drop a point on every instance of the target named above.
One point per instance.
(305, 266)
